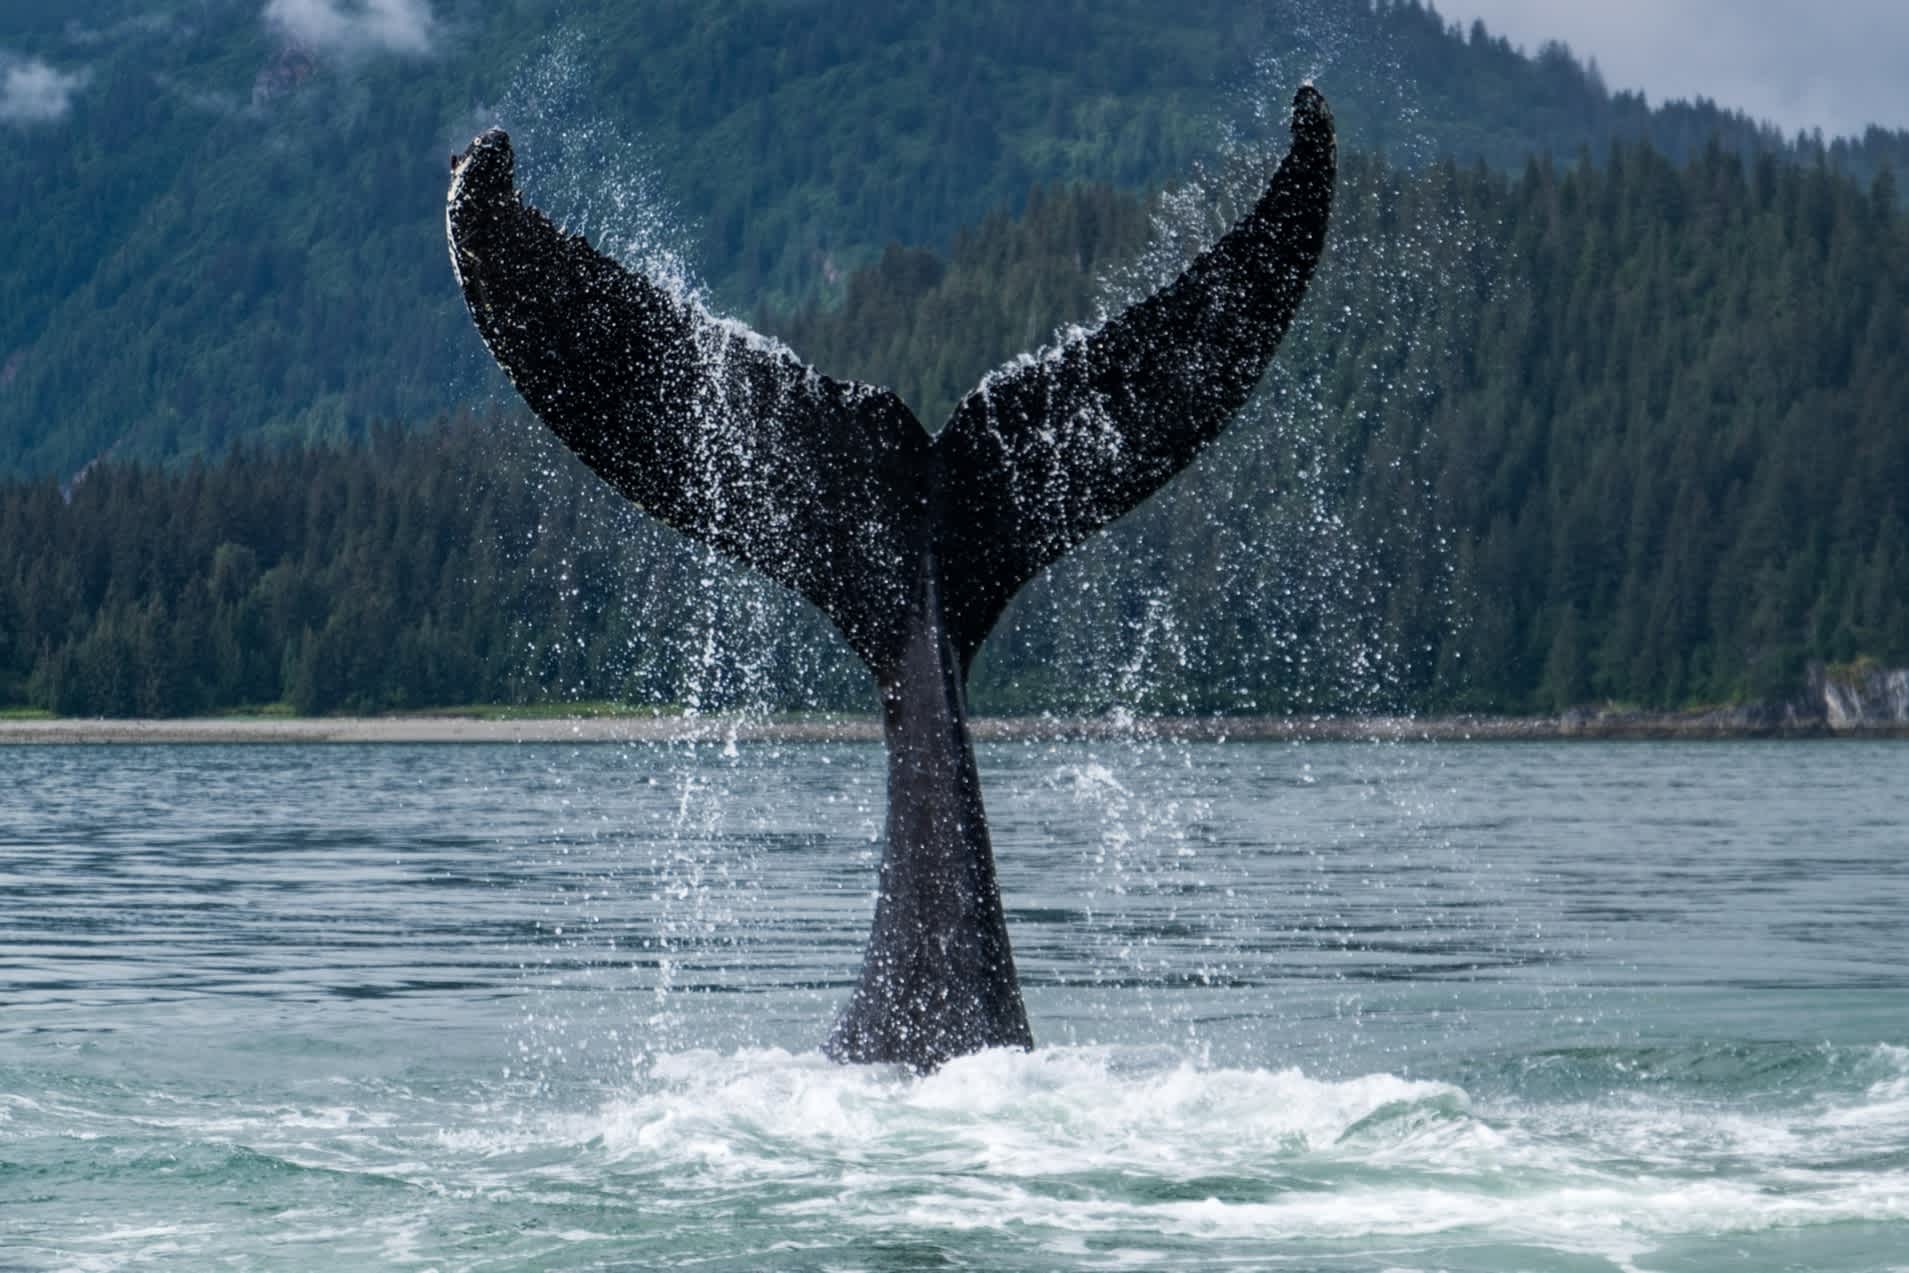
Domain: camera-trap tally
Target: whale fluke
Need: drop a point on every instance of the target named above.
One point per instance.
(1048, 450)
(911, 544)
(718, 432)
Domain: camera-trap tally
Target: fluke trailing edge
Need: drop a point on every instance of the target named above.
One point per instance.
(912, 544)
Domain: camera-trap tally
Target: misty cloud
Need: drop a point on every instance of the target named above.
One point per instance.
(157, 22)
(1796, 63)
(32, 92)
(355, 27)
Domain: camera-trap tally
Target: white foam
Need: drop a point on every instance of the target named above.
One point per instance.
(1007, 1115)
(987, 1140)
(1093, 1155)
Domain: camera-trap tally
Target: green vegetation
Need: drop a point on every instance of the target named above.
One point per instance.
(1626, 431)
(229, 239)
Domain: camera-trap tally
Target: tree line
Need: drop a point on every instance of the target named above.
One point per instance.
(1627, 430)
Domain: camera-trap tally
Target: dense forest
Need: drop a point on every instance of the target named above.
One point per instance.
(1626, 430)
(234, 234)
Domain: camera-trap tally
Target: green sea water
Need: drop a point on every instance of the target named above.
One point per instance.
(1324, 1006)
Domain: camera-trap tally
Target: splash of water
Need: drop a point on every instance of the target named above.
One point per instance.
(1311, 586)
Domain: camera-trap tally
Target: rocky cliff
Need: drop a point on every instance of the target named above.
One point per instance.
(1861, 696)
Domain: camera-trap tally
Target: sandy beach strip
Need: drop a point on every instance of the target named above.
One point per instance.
(436, 729)
(645, 729)
(426, 728)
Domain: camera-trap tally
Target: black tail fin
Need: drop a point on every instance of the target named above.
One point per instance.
(717, 431)
(834, 489)
(1046, 452)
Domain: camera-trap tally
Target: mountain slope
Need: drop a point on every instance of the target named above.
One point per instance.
(236, 232)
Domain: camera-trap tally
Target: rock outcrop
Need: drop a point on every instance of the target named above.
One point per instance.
(1861, 697)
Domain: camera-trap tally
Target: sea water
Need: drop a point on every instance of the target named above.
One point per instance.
(1319, 1006)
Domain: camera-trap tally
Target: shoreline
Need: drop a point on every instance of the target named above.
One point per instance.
(1732, 723)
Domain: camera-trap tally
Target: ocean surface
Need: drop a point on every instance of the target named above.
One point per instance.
(1511, 1007)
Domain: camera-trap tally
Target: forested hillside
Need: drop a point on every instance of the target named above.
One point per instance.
(235, 231)
(1631, 430)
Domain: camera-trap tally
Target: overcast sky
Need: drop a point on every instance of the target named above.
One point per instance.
(1837, 65)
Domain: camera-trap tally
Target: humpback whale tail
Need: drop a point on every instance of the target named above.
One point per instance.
(912, 544)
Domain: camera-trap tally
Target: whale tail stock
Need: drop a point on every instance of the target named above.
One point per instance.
(912, 544)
